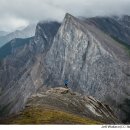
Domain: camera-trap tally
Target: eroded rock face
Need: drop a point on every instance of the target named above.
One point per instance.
(21, 70)
(66, 100)
(45, 32)
(92, 61)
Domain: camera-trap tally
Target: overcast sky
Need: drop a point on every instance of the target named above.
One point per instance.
(17, 13)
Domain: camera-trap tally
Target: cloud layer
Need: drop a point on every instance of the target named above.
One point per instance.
(16, 13)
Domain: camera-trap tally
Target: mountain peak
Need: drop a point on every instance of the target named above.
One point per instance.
(68, 17)
(72, 22)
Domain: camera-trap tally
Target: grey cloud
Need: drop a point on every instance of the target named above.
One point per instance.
(14, 13)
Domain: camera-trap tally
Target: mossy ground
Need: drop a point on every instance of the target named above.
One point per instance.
(41, 115)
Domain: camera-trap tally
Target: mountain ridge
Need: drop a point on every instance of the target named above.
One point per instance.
(87, 54)
(64, 100)
(27, 32)
(93, 62)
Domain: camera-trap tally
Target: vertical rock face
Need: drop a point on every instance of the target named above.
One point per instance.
(45, 33)
(20, 70)
(92, 61)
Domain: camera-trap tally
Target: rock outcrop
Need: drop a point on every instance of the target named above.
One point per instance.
(74, 102)
(66, 101)
(45, 32)
(116, 27)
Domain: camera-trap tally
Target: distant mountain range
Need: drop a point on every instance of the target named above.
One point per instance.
(117, 27)
(3, 33)
(92, 53)
(27, 32)
(11, 46)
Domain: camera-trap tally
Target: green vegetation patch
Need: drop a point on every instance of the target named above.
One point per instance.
(41, 115)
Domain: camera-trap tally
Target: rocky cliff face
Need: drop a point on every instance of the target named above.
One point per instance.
(93, 62)
(20, 71)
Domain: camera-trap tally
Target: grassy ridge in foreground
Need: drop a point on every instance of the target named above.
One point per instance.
(39, 115)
